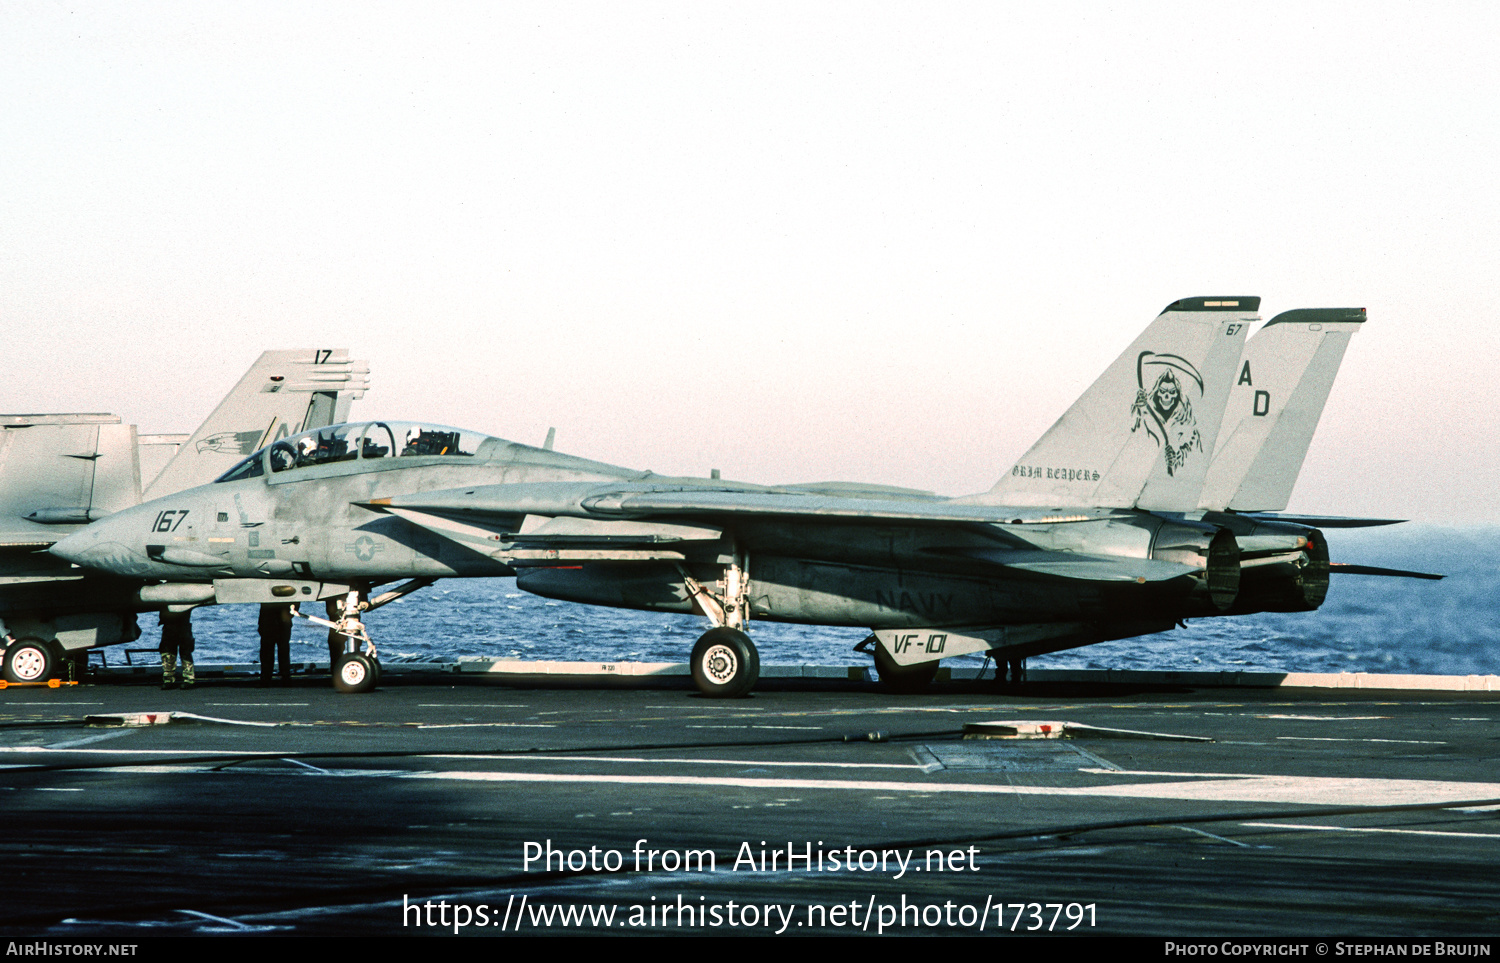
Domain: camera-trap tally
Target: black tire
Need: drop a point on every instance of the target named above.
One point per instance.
(725, 663)
(30, 660)
(375, 668)
(353, 673)
(905, 679)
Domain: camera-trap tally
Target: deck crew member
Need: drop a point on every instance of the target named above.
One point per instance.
(176, 643)
(275, 640)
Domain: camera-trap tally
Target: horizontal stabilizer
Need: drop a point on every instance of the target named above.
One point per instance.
(1344, 568)
(1325, 521)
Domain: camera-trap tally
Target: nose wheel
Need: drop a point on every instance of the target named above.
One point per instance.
(725, 663)
(355, 672)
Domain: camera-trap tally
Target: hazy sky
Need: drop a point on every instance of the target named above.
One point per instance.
(796, 242)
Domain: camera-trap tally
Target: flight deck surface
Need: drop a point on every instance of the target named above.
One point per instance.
(1170, 810)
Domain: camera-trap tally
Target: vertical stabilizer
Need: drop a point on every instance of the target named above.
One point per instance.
(1274, 406)
(65, 469)
(1142, 435)
(283, 393)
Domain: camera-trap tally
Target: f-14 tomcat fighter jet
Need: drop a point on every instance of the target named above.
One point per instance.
(1127, 517)
(60, 471)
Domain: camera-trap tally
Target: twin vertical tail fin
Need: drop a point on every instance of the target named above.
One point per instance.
(1278, 395)
(283, 393)
(1143, 435)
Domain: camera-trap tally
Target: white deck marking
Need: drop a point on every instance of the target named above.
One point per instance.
(85, 740)
(1171, 774)
(1321, 718)
(1220, 787)
(1222, 839)
(690, 762)
(809, 728)
(135, 752)
(1374, 829)
(1409, 742)
(1097, 760)
(486, 725)
(1304, 790)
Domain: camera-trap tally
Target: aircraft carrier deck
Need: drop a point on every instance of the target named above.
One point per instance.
(1180, 805)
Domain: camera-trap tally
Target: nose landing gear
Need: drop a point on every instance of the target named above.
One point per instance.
(355, 672)
(358, 670)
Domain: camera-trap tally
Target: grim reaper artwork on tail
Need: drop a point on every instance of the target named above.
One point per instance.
(1165, 409)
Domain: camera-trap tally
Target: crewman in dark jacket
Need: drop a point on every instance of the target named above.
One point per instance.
(275, 638)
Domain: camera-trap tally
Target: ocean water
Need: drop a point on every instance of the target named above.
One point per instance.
(1368, 624)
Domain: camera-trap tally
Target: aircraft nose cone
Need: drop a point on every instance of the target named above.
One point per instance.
(102, 545)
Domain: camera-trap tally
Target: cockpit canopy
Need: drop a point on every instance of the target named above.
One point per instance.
(363, 442)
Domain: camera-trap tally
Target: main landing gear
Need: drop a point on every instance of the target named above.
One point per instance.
(356, 669)
(725, 663)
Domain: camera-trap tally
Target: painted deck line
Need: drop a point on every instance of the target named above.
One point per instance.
(501, 669)
(1302, 790)
(778, 764)
(1374, 829)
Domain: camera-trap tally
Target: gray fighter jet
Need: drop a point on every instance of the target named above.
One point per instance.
(58, 472)
(1131, 514)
